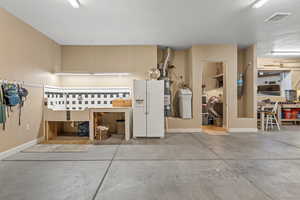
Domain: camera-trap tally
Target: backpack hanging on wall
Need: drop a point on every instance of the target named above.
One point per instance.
(11, 94)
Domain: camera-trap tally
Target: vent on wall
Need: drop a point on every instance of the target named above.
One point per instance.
(277, 17)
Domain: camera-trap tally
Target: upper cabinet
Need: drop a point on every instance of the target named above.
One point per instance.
(278, 64)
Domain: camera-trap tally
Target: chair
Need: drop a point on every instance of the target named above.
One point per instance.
(271, 118)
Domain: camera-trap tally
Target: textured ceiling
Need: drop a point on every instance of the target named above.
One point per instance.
(175, 23)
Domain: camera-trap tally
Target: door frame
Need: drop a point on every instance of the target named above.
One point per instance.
(225, 88)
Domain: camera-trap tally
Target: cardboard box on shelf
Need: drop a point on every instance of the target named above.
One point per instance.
(122, 103)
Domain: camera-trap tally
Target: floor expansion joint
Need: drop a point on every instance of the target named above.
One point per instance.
(105, 174)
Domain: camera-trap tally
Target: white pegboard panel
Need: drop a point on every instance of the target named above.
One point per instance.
(62, 98)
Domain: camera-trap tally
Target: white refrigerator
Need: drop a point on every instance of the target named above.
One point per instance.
(148, 108)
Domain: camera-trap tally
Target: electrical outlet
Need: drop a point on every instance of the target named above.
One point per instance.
(27, 127)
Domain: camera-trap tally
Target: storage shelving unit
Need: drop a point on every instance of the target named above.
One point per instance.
(82, 98)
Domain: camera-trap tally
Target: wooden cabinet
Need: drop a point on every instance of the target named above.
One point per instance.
(58, 116)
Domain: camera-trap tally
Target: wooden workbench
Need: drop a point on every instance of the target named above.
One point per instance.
(50, 116)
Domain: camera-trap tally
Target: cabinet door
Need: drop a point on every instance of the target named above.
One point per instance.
(80, 116)
(139, 109)
(155, 108)
(57, 115)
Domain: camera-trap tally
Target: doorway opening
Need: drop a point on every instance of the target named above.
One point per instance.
(213, 99)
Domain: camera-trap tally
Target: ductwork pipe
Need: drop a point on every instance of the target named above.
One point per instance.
(166, 62)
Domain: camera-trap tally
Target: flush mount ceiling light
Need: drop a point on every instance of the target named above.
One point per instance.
(285, 53)
(74, 3)
(278, 16)
(259, 3)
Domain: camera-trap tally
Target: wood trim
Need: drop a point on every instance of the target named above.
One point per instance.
(242, 130)
(184, 130)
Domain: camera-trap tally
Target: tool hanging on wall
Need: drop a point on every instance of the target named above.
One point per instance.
(23, 93)
(240, 84)
(2, 109)
(242, 80)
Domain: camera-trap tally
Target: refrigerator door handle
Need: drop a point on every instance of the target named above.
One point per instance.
(147, 98)
(145, 106)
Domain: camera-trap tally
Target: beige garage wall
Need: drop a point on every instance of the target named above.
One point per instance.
(25, 55)
(178, 60)
(176, 74)
(196, 58)
(134, 59)
(137, 60)
(175, 124)
(241, 68)
(247, 64)
(210, 70)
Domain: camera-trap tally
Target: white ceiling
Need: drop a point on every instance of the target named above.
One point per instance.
(175, 23)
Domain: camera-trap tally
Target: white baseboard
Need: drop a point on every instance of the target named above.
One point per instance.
(242, 130)
(184, 130)
(19, 148)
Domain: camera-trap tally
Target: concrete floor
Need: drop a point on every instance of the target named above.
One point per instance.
(240, 166)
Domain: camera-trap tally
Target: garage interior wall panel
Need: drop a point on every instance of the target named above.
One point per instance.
(29, 56)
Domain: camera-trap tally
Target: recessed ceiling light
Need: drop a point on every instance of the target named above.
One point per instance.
(74, 3)
(259, 3)
(285, 53)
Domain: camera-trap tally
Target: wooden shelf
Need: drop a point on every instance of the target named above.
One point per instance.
(290, 120)
(218, 76)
